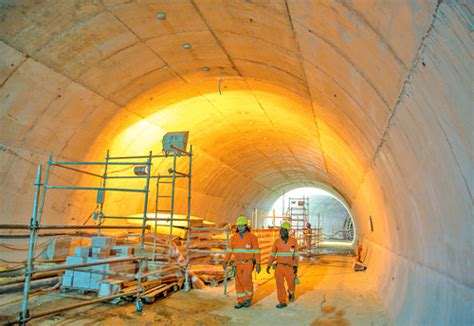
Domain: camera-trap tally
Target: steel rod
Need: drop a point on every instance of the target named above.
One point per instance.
(66, 227)
(141, 177)
(156, 216)
(98, 163)
(145, 156)
(101, 272)
(81, 304)
(187, 284)
(173, 185)
(180, 150)
(95, 188)
(103, 183)
(226, 267)
(148, 218)
(208, 229)
(138, 303)
(31, 248)
(80, 171)
(102, 262)
(180, 174)
(207, 251)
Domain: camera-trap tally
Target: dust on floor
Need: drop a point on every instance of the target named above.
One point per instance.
(330, 293)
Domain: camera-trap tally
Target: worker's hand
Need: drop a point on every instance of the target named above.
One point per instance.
(224, 265)
(258, 268)
(295, 269)
(268, 269)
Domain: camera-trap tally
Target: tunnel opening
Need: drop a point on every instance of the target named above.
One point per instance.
(326, 212)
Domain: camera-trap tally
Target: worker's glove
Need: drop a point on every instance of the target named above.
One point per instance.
(268, 269)
(258, 268)
(295, 269)
(224, 265)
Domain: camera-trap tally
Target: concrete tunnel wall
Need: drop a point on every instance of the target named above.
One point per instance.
(373, 99)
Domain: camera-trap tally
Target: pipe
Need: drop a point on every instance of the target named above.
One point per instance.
(141, 157)
(97, 163)
(226, 267)
(17, 287)
(103, 262)
(180, 150)
(80, 304)
(20, 278)
(142, 240)
(208, 229)
(32, 243)
(66, 227)
(80, 171)
(95, 188)
(187, 286)
(207, 251)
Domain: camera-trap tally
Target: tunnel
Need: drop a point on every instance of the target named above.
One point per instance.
(368, 100)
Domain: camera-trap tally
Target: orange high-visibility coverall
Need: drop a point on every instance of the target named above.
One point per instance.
(286, 256)
(245, 250)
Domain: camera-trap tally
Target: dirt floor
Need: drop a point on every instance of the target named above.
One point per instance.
(330, 293)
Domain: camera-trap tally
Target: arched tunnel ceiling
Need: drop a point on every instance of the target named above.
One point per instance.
(321, 63)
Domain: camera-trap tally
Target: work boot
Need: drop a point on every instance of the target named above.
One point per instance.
(239, 305)
(281, 305)
(291, 296)
(247, 303)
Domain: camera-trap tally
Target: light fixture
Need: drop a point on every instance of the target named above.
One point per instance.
(175, 142)
(161, 15)
(186, 46)
(205, 68)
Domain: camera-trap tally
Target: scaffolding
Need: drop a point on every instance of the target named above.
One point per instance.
(298, 216)
(142, 169)
(214, 255)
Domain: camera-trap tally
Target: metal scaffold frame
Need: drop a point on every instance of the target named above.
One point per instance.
(298, 216)
(226, 229)
(35, 225)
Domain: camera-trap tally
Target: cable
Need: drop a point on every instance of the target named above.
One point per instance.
(21, 263)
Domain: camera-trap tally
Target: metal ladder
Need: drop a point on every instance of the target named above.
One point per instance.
(164, 204)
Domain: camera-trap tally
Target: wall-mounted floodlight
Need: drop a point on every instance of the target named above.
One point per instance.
(161, 15)
(175, 142)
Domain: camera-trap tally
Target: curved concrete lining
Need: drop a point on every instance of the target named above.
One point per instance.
(372, 99)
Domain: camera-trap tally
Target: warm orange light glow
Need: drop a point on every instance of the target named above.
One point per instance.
(250, 140)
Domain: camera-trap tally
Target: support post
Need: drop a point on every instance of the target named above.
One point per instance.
(173, 184)
(104, 179)
(142, 262)
(226, 267)
(187, 284)
(31, 250)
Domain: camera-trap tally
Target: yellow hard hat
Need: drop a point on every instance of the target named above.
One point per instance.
(286, 225)
(241, 220)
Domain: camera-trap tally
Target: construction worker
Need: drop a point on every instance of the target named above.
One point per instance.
(285, 254)
(244, 247)
(308, 234)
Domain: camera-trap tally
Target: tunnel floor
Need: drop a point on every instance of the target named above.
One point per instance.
(330, 293)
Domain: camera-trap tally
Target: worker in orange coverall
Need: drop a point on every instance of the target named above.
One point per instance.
(244, 247)
(285, 254)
